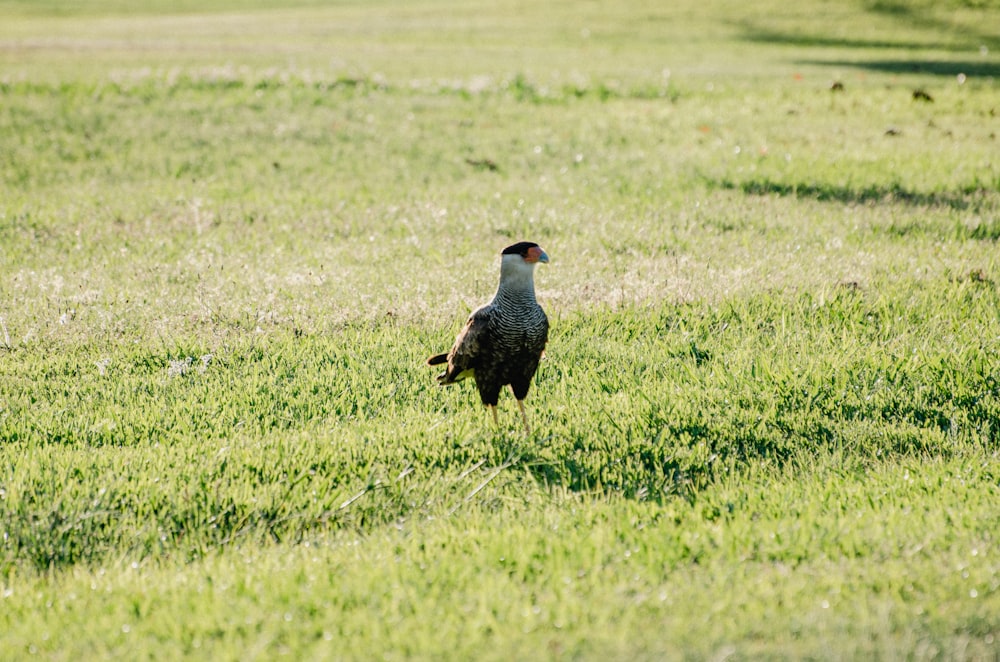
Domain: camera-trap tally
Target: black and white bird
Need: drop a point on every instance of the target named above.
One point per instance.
(503, 341)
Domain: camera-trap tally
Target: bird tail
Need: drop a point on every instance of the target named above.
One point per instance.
(446, 377)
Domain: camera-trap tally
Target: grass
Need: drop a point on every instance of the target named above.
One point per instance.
(767, 421)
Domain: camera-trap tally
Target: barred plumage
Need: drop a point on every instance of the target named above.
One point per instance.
(503, 341)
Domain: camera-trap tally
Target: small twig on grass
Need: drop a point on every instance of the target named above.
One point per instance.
(508, 463)
(468, 471)
(483, 164)
(368, 488)
(6, 336)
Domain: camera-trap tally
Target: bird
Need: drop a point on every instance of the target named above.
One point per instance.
(503, 341)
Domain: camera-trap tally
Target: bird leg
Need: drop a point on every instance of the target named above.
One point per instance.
(524, 417)
(493, 410)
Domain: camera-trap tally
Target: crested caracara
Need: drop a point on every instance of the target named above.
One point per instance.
(502, 342)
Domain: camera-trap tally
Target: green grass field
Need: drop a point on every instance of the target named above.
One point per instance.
(768, 425)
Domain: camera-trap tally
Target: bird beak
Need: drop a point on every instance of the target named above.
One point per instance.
(536, 254)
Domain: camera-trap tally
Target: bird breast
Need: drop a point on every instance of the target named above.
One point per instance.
(522, 328)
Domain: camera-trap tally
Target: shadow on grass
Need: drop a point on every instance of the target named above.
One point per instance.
(943, 35)
(973, 68)
(970, 197)
(764, 36)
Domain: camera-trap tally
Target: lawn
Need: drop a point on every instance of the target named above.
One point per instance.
(768, 422)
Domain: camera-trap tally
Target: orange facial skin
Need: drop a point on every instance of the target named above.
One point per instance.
(536, 254)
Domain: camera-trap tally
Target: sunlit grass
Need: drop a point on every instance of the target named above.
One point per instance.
(767, 421)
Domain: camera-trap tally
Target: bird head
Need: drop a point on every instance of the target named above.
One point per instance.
(528, 251)
(517, 267)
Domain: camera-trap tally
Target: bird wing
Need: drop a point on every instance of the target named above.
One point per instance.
(468, 347)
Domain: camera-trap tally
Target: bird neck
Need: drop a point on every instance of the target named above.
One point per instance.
(517, 283)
